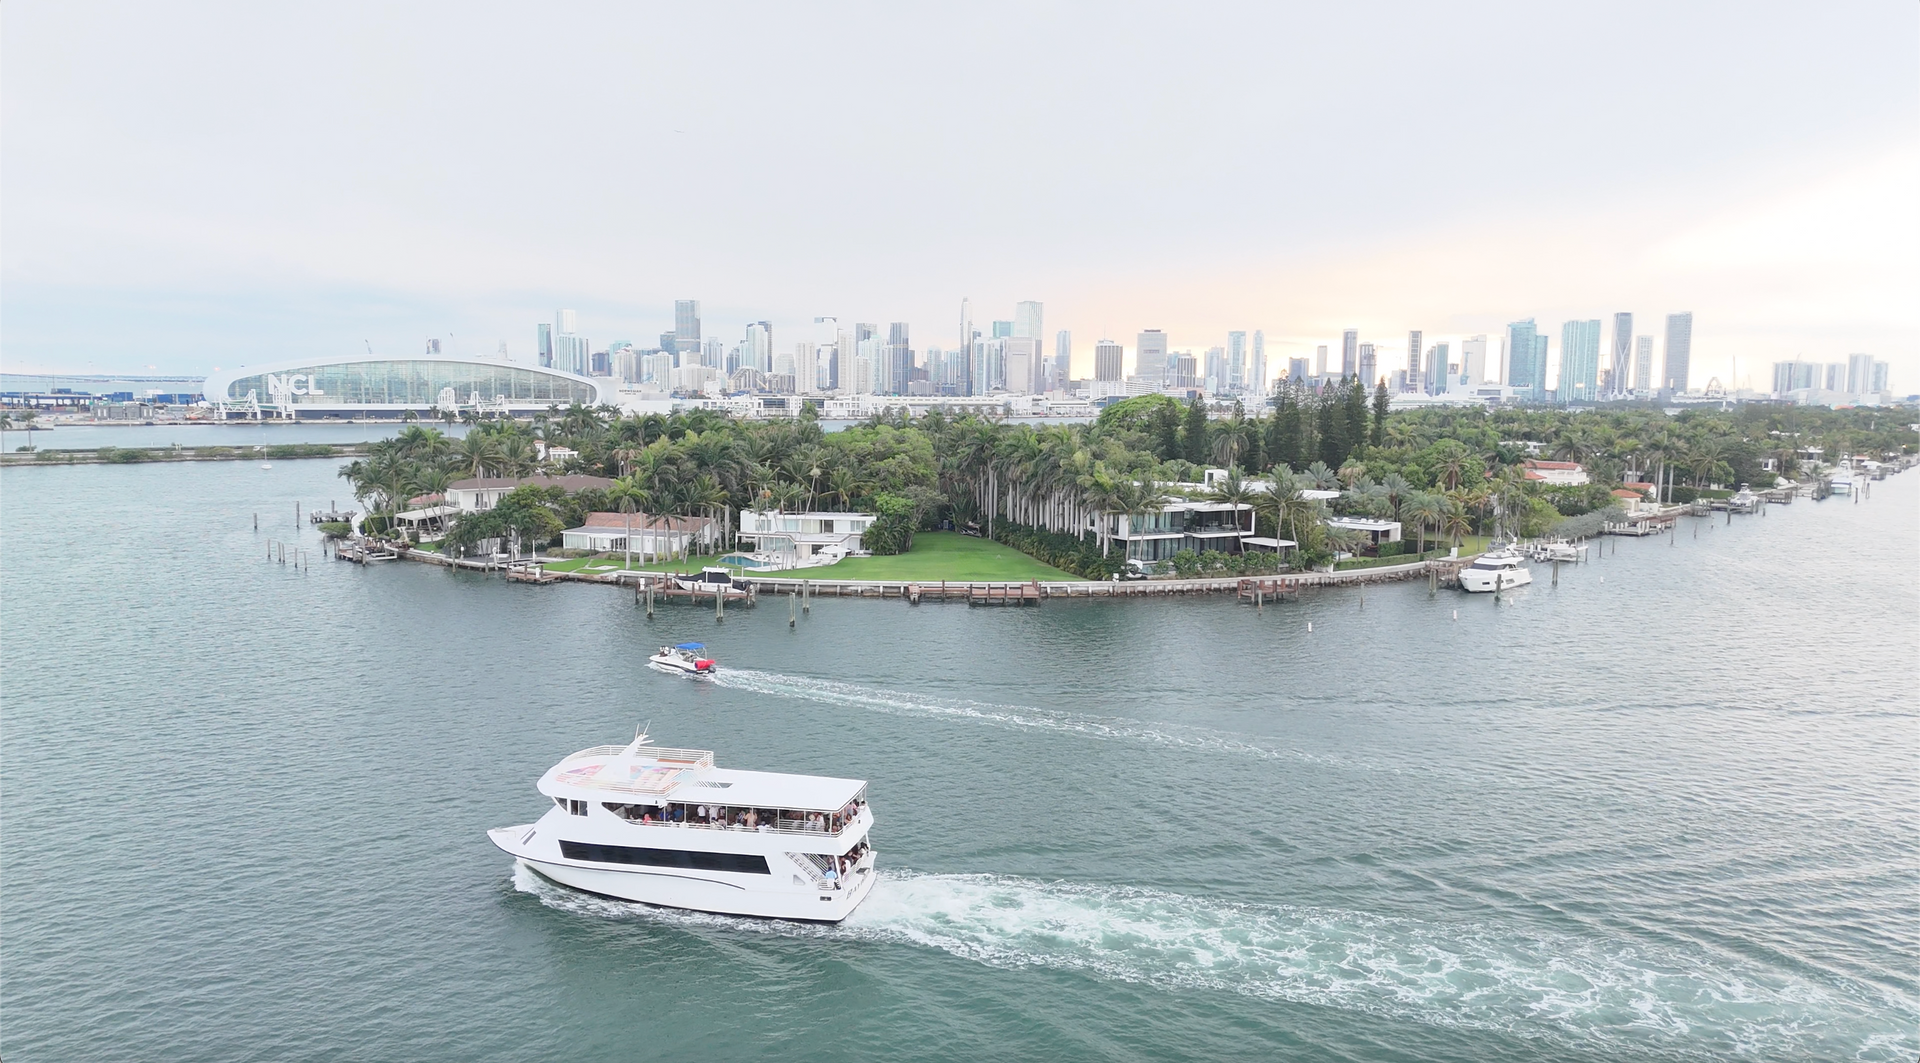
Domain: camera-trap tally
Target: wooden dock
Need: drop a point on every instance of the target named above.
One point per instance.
(1004, 594)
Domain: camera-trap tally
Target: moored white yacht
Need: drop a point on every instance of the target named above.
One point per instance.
(1499, 569)
(689, 657)
(666, 827)
(712, 578)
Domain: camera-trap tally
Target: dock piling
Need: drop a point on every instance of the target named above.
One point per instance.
(719, 606)
(649, 599)
(1556, 572)
(793, 610)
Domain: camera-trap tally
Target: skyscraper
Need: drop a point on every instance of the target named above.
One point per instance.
(1520, 352)
(1349, 353)
(1415, 381)
(1369, 366)
(1022, 355)
(1106, 360)
(1150, 357)
(1540, 366)
(1622, 352)
(1473, 363)
(1236, 362)
(1879, 382)
(1859, 373)
(1643, 364)
(1216, 371)
(543, 343)
(571, 351)
(1298, 369)
(965, 351)
(899, 368)
(1062, 360)
(1580, 360)
(1679, 352)
(826, 335)
(1002, 329)
(1320, 361)
(686, 326)
(1437, 373)
(757, 351)
(1026, 320)
(1258, 383)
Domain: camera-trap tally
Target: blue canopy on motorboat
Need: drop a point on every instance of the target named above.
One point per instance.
(690, 646)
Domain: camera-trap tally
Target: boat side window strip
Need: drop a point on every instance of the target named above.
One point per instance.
(739, 863)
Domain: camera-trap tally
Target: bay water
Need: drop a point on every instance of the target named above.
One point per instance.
(1665, 810)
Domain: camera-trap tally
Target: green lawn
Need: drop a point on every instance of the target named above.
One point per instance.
(935, 556)
(940, 556)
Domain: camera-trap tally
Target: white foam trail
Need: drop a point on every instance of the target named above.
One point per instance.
(1579, 992)
(1018, 717)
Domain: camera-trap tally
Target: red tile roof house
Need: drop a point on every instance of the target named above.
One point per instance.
(1556, 473)
(653, 536)
(486, 491)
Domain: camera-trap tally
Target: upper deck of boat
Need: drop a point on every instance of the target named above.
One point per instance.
(689, 775)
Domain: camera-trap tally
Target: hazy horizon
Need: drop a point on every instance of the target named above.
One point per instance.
(228, 184)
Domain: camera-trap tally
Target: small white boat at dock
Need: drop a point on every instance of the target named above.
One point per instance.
(711, 579)
(666, 827)
(1499, 569)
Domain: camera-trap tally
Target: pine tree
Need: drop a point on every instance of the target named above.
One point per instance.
(1166, 430)
(1380, 401)
(1355, 405)
(1198, 446)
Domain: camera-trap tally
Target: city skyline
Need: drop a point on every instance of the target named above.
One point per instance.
(185, 227)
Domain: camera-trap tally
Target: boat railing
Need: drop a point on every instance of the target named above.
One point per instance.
(798, 830)
(666, 757)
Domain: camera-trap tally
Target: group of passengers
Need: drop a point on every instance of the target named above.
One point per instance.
(839, 867)
(760, 819)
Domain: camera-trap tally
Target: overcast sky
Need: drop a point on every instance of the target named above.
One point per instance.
(197, 185)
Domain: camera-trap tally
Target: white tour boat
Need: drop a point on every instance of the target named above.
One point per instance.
(664, 826)
(1499, 569)
(689, 657)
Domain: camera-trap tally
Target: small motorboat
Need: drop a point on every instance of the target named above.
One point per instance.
(712, 578)
(688, 657)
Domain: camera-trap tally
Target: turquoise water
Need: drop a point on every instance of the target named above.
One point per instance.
(742, 561)
(1667, 810)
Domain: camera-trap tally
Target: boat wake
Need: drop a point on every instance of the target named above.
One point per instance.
(1016, 717)
(1575, 991)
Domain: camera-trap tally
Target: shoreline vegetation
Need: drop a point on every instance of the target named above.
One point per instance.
(137, 455)
(1450, 475)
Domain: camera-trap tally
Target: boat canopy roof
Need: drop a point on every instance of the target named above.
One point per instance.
(689, 645)
(688, 776)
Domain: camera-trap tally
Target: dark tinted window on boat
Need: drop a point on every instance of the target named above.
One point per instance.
(742, 863)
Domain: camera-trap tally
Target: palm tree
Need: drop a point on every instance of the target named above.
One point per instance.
(1235, 492)
(626, 497)
(1323, 477)
(1397, 489)
(1426, 511)
(1230, 440)
(477, 454)
(1457, 523)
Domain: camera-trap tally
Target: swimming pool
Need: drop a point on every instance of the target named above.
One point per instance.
(743, 561)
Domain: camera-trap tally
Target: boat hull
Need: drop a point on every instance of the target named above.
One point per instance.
(784, 894)
(680, 665)
(1486, 582)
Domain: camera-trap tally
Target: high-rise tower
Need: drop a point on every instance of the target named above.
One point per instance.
(1679, 352)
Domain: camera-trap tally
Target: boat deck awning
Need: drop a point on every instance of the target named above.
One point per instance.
(768, 789)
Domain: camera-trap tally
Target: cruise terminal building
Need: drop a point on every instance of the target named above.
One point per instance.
(386, 388)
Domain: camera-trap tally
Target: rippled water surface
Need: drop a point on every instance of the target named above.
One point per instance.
(1666, 810)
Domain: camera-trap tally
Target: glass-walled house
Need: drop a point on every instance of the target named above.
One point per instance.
(1177, 526)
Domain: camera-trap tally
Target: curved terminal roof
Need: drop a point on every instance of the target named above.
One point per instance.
(415, 381)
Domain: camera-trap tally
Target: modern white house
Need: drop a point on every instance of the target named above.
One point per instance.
(1376, 531)
(1177, 526)
(794, 540)
(485, 492)
(649, 537)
